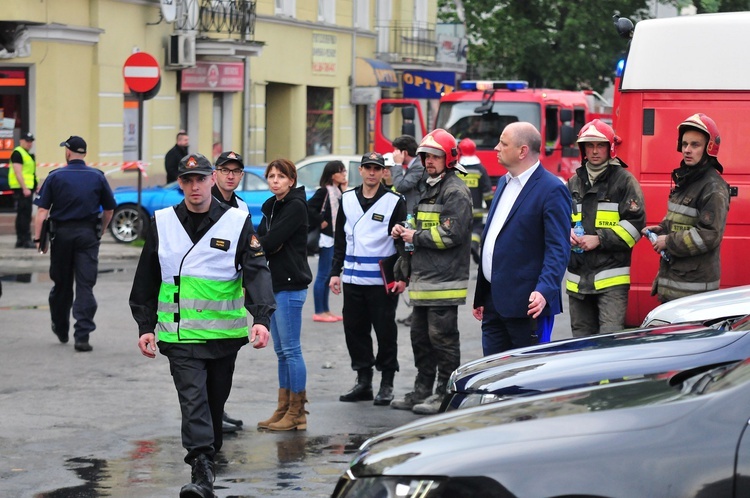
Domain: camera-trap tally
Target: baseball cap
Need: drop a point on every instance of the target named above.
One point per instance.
(194, 164)
(227, 156)
(373, 158)
(75, 143)
(28, 137)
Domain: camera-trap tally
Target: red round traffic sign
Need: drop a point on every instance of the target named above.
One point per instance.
(141, 72)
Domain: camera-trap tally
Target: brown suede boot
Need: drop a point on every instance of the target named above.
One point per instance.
(295, 418)
(281, 409)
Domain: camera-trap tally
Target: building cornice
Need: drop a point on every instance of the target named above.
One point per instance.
(65, 33)
(317, 26)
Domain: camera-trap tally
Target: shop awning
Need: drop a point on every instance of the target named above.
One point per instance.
(372, 72)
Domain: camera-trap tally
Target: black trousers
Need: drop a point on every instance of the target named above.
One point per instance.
(203, 386)
(23, 216)
(368, 307)
(74, 258)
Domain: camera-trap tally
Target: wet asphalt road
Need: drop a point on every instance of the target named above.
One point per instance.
(107, 423)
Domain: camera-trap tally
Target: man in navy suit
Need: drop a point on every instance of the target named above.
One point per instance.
(526, 246)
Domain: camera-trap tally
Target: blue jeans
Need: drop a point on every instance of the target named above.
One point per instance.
(286, 325)
(320, 287)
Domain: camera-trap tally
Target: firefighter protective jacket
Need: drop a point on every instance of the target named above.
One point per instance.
(442, 244)
(613, 209)
(694, 225)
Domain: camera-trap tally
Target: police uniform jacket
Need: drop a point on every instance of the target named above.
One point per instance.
(256, 281)
(694, 226)
(235, 201)
(612, 208)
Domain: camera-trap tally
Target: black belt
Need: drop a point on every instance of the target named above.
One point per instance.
(74, 224)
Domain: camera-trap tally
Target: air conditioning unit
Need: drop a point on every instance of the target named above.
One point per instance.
(181, 50)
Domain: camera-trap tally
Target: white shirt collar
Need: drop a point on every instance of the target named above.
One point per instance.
(523, 177)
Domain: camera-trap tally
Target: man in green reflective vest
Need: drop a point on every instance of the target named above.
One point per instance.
(22, 180)
(201, 268)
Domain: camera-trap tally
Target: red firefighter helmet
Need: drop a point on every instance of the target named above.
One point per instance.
(598, 131)
(702, 123)
(439, 142)
(467, 151)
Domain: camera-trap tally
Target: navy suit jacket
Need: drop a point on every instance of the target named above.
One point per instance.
(532, 249)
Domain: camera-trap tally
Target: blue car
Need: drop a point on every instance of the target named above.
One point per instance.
(128, 222)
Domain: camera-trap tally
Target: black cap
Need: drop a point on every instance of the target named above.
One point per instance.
(194, 164)
(75, 143)
(228, 156)
(28, 137)
(373, 158)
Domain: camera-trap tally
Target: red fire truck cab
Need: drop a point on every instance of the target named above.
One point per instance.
(658, 91)
(481, 109)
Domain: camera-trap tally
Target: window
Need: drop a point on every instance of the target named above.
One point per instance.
(285, 8)
(327, 11)
(319, 120)
(362, 15)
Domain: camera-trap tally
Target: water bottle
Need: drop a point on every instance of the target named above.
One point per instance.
(579, 232)
(409, 223)
(652, 237)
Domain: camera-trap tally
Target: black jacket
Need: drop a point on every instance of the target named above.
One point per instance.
(283, 235)
(172, 161)
(319, 210)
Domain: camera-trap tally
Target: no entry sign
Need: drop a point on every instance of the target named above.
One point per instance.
(141, 72)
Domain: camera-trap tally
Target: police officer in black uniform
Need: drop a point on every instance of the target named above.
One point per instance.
(80, 204)
(200, 321)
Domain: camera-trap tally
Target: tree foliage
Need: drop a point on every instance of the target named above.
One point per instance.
(567, 44)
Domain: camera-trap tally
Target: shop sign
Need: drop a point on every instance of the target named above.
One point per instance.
(323, 53)
(213, 77)
(427, 84)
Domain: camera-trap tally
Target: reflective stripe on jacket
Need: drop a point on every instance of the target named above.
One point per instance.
(613, 209)
(367, 237)
(201, 296)
(28, 170)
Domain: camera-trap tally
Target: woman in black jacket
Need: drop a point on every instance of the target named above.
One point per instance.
(323, 207)
(283, 235)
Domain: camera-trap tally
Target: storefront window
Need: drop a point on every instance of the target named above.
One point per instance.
(319, 121)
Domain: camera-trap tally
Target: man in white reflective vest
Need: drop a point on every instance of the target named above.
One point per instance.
(366, 216)
(201, 267)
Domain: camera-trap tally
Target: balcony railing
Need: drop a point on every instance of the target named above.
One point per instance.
(406, 42)
(217, 16)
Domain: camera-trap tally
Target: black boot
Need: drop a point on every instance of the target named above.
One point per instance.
(385, 394)
(202, 485)
(362, 390)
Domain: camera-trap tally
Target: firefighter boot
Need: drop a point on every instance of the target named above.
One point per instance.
(362, 390)
(202, 485)
(418, 395)
(281, 409)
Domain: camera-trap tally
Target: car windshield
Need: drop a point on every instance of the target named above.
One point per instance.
(460, 119)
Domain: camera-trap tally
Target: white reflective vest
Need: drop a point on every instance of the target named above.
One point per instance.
(201, 296)
(367, 238)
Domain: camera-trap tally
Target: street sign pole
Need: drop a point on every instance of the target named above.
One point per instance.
(143, 77)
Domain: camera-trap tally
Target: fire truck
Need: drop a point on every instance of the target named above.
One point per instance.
(480, 110)
(658, 90)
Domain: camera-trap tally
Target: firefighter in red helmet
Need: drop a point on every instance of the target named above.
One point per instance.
(608, 204)
(693, 227)
(438, 271)
(480, 186)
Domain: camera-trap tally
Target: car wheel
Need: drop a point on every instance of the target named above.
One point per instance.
(128, 223)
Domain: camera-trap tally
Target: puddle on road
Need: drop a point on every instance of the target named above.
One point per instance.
(40, 277)
(251, 464)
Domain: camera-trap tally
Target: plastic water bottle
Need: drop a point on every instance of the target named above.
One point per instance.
(652, 237)
(579, 232)
(409, 223)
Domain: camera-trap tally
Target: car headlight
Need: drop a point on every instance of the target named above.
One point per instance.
(386, 487)
(478, 399)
